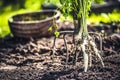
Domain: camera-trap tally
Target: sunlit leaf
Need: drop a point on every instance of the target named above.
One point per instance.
(56, 33)
(50, 29)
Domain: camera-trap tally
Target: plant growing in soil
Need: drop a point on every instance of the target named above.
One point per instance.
(79, 10)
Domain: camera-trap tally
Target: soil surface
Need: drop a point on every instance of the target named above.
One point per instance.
(30, 59)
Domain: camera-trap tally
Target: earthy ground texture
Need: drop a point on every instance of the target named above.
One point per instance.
(23, 59)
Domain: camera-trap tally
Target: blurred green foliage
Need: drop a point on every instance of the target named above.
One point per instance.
(104, 17)
(99, 1)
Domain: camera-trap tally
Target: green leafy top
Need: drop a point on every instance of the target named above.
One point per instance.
(75, 6)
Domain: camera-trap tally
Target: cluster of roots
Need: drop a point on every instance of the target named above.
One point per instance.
(86, 45)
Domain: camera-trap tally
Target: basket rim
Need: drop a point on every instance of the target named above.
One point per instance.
(36, 21)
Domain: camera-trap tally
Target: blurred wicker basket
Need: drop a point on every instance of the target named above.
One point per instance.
(32, 24)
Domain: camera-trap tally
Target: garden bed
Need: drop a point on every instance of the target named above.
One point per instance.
(22, 59)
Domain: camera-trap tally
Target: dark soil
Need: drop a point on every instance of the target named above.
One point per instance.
(23, 59)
